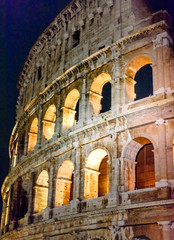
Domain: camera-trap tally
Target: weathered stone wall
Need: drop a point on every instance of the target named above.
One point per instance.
(57, 148)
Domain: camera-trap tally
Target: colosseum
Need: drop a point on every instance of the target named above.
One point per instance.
(92, 150)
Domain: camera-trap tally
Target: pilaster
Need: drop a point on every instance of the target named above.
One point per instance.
(39, 135)
(161, 48)
(166, 229)
(162, 154)
(30, 199)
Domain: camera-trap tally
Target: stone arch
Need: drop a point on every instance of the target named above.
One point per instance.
(96, 174)
(95, 93)
(49, 122)
(139, 164)
(41, 192)
(64, 184)
(70, 109)
(133, 67)
(32, 135)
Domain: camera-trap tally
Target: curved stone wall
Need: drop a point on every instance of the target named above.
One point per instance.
(86, 158)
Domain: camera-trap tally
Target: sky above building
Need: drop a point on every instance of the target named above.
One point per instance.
(21, 24)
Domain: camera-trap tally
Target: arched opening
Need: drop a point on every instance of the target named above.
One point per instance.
(96, 174)
(41, 192)
(49, 122)
(77, 112)
(32, 135)
(144, 84)
(145, 169)
(64, 184)
(106, 98)
(139, 80)
(100, 89)
(139, 166)
(71, 109)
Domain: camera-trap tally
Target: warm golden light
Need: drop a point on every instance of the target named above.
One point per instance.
(32, 140)
(49, 122)
(96, 90)
(131, 70)
(41, 192)
(64, 184)
(97, 164)
(69, 109)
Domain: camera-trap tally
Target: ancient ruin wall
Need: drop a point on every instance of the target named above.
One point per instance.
(88, 159)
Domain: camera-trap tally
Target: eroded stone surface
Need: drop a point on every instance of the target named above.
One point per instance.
(74, 160)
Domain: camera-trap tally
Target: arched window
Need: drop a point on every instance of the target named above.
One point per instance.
(139, 169)
(71, 109)
(145, 169)
(139, 81)
(144, 84)
(106, 98)
(100, 93)
(32, 135)
(49, 122)
(64, 185)
(96, 174)
(41, 192)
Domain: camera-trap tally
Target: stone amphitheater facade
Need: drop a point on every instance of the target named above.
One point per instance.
(88, 159)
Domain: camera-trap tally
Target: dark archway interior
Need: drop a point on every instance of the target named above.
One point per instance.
(145, 169)
(77, 111)
(106, 100)
(23, 204)
(144, 82)
(71, 189)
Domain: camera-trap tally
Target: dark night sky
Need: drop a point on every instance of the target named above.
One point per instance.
(21, 23)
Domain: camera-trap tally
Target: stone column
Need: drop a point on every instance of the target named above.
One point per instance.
(30, 199)
(115, 94)
(115, 83)
(26, 140)
(50, 188)
(57, 121)
(76, 183)
(76, 190)
(160, 46)
(47, 210)
(39, 135)
(162, 154)
(9, 209)
(82, 103)
(4, 209)
(165, 226)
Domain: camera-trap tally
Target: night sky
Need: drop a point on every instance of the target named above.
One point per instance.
(21, 23)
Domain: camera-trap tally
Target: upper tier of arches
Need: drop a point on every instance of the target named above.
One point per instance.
(63, 115)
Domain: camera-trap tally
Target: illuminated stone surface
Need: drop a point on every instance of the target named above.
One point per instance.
(78, 171)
